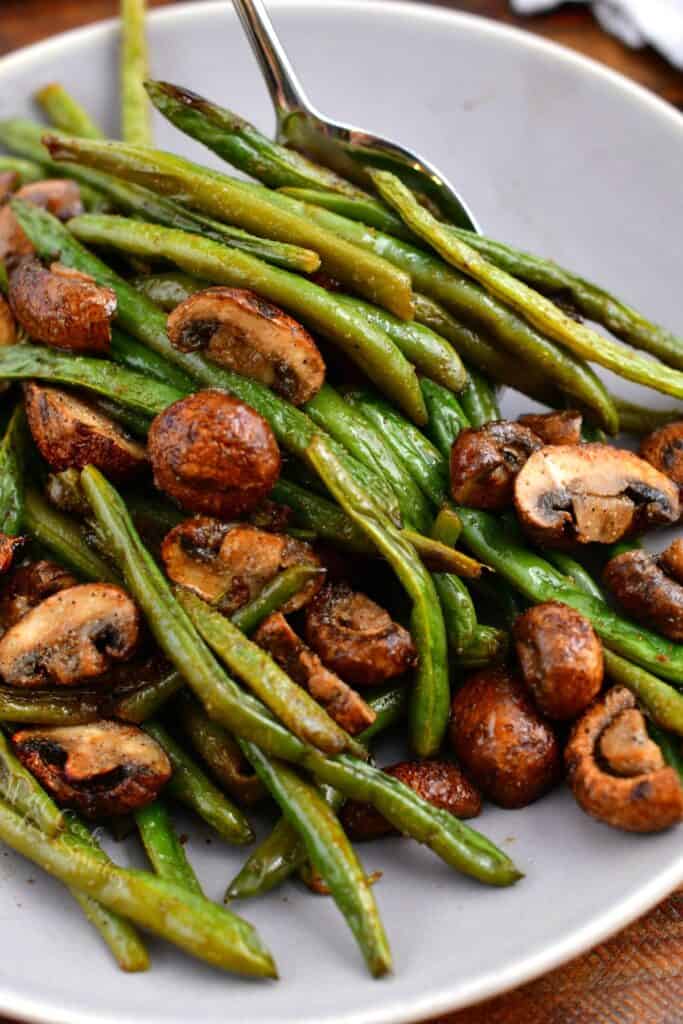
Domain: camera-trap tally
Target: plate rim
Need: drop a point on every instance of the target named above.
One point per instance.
(621, 914)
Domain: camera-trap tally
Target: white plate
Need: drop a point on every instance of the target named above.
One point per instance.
(552, 152)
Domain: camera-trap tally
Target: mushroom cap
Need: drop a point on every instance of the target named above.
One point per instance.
(647, 801)
(101, 769)
(9, 549)
(239, 329)
(70, 637)
(641, 585)
(70, 434)
(505, 746)
(28, 586)
(213, 454)
(14, 242)
(356, 638)
(61, 307)
(485, 462)
(560, 657)
(8, 328)
(9, 182)
(59, 196)
(579, 494)
(663, 449)
(228, 564)
(561, 426)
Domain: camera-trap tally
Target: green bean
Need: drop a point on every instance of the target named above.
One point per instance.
(431, 354)
(421, 459)
(324, 517)
(136, 115)
(147, 700)
(366, 209)
(577, 573)
(20, 788)
(430, 705)
(670, 746)
(273, 861)
(65, 112)
(363, 440)
(447, 527)
(170, 289)
(192, 787)
(239, 142)
(467, 298)
(134, 355)
(12, 484)
(497, 600)
(663, 703)
(134, 422)
(245, 717)
(218, 750)
(165, 851)
(636, 419)
(138, 392)
(147, 323)
(63, 537)
(246, 206)
(50, 707)
(272, 597)
(539, 581)
(487, 646)
(459, 615)
(441, 557)
(478, 400)
(330, 852)
(293, 705)
(446, 416)
(194, 924)
(27, 170)
(536, 309)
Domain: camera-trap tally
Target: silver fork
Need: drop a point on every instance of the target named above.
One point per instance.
(341, 146)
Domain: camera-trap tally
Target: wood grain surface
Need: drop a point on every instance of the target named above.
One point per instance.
(636, 977)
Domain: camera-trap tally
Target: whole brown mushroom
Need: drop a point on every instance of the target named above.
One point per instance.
(213, 454)
(508, 750)
(101, 769)
(28, 586)
(356, 638)
(9, 549)
(615, 771)
(650, 587)
(663, 449)
(560, 657)
(485, 462)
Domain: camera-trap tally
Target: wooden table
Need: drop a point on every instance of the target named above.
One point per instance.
(637, 977)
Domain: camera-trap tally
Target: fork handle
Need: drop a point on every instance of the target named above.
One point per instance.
(284, 87)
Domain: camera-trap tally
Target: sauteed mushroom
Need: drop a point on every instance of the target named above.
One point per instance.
(562, 426)
(61, 307)
(240, 330)
(8, 328)
(341, 702)
(569, 494)
(70, 434)
(663, 449)
(485, 462)
(60, 196)
(229, 564)
(14, 243)
(9, 548)
(213, 454)
(650, 588)
(508, 750)
(356, 638)
(9, 180)
(28, 586)
(101, 769)
(615, 771)
(560, 657)
(70, 637)
(441, 783)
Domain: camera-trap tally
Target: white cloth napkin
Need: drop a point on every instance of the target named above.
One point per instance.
(635, 22)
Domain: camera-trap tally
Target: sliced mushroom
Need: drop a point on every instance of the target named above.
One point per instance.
(101, 769)
(560, 657)
(341, 702)
(648, 587)
(14, 243)
(240, 330)
(614, 772)
(485, 462)
(9, 182)
(229, 564)
(8, 328)
(579, 494)
(356, 638)
(70, 637)
(440, 783)
(504, 745)
(28, 586)
(663, 449)
(61, 307)
(213, 454)
(562, 426)
(71, 434)
(60, 196)
(9, 549)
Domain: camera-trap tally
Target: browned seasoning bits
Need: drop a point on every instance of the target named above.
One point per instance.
(617, 773)
(213, 454)
(100, 770)
(356, 638)
(560, 657)
(439, 782)
(508, 750)
(485, 462)
(650, 587)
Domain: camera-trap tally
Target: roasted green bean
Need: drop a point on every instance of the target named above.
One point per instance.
(136, 115)
(65, 112)
(165, 851)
